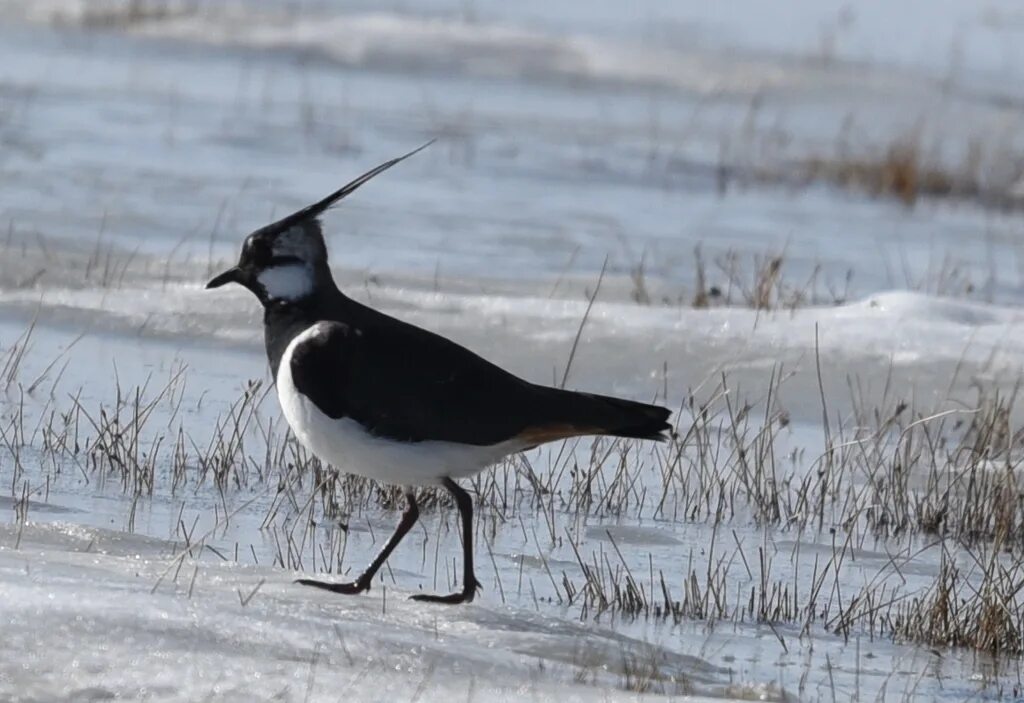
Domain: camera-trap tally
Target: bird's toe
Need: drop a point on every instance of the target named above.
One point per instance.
(349, 589)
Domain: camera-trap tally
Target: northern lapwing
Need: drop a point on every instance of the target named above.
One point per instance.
(381, 398)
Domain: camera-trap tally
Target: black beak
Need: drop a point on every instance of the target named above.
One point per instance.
(232, 275)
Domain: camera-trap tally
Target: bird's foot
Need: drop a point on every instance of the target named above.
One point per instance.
(466, 595)
(348, 589)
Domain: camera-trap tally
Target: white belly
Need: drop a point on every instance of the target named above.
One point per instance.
(348, 447)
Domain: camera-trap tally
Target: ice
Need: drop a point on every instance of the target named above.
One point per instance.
(579, 146)
(91, 614)
(113, 594)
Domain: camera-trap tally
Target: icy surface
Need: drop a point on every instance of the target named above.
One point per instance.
(140, 141)
(91, 614)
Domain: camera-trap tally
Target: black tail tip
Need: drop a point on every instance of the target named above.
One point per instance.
(662, 434)
(654, 426)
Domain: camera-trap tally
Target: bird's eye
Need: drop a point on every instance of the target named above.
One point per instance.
(256, 252)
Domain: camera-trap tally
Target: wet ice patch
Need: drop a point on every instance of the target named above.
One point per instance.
(631, 534)
(73, 620)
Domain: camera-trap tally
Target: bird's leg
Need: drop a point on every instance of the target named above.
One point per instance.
(469, 582)
(409, 517)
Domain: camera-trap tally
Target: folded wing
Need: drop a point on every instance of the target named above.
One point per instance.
(407, 384)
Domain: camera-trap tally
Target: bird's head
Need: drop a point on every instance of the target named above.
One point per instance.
(286, 261)
(282, 262)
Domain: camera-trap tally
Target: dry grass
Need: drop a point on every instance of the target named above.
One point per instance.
(768, 282)
(982, 613)
(919, 163)
(134, 12)
(901, 171)
(888, 471)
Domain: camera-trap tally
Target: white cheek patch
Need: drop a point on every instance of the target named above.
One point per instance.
(291, 282)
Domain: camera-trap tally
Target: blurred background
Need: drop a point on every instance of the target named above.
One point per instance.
(868, 145)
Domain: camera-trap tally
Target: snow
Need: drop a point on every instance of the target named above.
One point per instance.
(91, 614)
(936, 345)
(139, 148)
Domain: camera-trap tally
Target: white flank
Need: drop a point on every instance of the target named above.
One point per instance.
(290, 282)
(348, 447)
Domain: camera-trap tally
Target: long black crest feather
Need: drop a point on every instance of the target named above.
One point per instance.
(314, 210)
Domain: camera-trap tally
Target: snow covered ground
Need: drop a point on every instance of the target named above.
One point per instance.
(93, 614)
(139, 142)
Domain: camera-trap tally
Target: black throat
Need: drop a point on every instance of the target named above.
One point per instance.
(283, 321)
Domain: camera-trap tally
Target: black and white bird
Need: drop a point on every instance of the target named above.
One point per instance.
(374, 396)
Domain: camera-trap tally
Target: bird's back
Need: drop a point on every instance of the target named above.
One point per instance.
(406, 383)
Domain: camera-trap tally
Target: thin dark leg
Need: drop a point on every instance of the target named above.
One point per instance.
(409, 517)
(469, 582)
